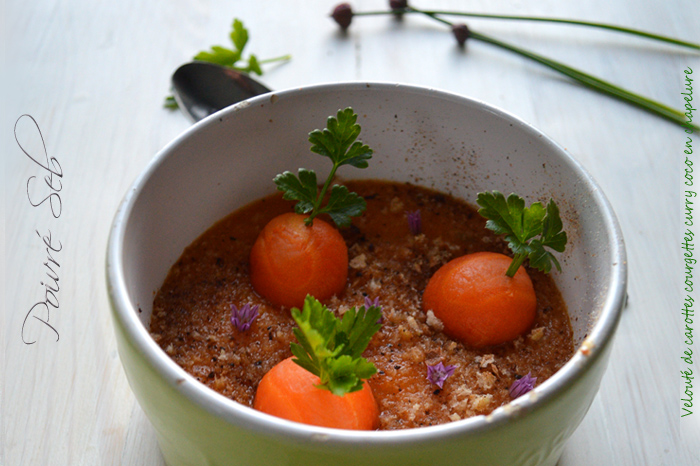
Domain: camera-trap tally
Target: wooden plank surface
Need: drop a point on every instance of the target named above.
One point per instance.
(93, 75)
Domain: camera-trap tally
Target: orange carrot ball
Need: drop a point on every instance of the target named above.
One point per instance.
(290, 260)
(288, 391)
(478, 304)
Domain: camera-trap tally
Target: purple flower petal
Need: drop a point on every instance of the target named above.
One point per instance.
(371, 303)
(522, 385)
(438, 373)
(414, 222)
(374, 303)
(244, 317)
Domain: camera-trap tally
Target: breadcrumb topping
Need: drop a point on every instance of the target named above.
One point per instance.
(191, 312)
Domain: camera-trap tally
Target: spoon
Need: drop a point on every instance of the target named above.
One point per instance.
(202, 88)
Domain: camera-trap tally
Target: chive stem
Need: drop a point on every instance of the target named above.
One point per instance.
(606, 26)
(586, 79)
(592, 82)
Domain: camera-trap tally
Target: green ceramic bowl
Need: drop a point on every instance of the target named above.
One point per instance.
(451, 143)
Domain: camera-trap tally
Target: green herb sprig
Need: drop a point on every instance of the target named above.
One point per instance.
(338, 141)
(231, 57)
(331, 348)
(528, 230)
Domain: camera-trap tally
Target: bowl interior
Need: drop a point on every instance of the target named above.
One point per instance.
(424, 137)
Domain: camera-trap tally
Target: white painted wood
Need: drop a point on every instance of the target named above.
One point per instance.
(94, 74)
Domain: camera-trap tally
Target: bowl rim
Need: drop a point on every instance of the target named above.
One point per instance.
(599, 336)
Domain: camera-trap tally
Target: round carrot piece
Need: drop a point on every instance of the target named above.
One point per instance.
(288, 391)
(290, 260)
(478, 303)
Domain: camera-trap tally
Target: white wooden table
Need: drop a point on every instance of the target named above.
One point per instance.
(94, 74)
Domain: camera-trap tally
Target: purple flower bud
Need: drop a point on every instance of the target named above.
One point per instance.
(414, 222)
(522, 385)
(371, 303)
(374, 303)
(398, 4)
(438, 373)
(243, 318)
(461, 33)
(342, 14)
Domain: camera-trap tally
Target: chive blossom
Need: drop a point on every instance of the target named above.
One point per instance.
(461, 33)
(342, 14)
(371, 302)
(438, 373)
(374, 303)
(414, 222)
(398, 7)
(243, 318)
(522, 385)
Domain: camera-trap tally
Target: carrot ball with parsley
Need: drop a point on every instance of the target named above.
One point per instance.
(323, 384)
(487, 298)
(290, 392)
(290, 260)
(478, 303)
(298, 254)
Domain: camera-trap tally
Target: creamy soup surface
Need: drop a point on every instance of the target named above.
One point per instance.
(191, 311)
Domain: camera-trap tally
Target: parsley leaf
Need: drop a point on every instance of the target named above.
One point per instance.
(170, 103)
(331, 347)
(521, 225)
(231, 57)
(219, 55)
(303, 189)
(254, 65)
(239, 34)
(342, 204)
(339, 136)
(338, 142)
